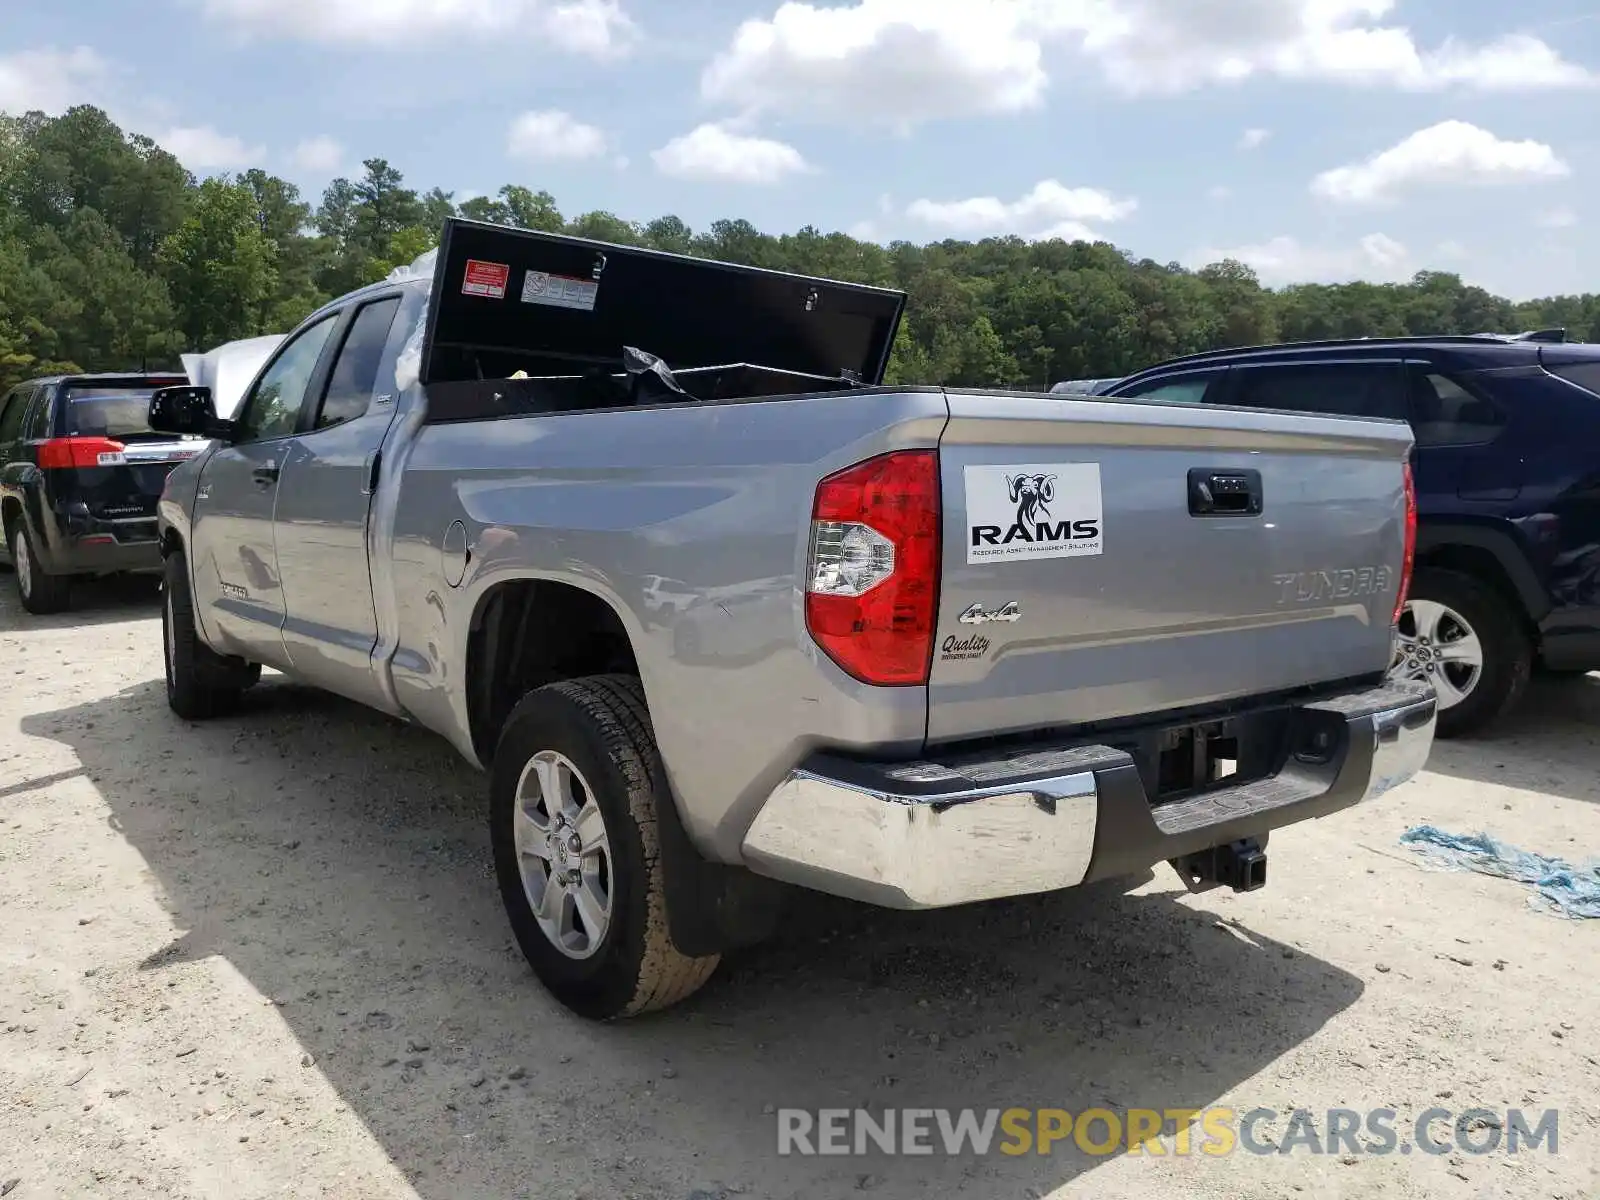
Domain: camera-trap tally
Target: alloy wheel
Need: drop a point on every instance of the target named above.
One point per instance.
(1436, 644)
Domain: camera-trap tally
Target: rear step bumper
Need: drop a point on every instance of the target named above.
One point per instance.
(931, 834)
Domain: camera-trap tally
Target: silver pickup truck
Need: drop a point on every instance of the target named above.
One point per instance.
(645, 538)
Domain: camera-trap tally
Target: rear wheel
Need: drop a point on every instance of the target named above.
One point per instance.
(200, 682)
(573, 797)
(41, 593)
(1465, 639)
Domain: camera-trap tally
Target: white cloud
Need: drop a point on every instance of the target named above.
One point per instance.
(320, 155)
(1450, 153)
(552, 134)
(50, 80)
(593, 27)
(1281, 260)
(1558, 218)
(715, 153)
(893, 62)
(202, 148)
(1049, 210)
(1250, 139)
(900, 62)
(1220, 191)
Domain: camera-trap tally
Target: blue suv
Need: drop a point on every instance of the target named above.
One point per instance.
(1507, 471)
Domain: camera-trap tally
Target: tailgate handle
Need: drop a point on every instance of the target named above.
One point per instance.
(1224, 493)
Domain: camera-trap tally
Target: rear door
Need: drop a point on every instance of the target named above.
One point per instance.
(1106, 560)
(324, 498)
(233, 562)
(1459, 432)
(15, 466)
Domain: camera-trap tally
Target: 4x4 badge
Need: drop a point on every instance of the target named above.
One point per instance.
(979, 615)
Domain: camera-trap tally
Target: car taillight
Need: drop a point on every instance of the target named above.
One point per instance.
(1411, 545)
(872, 578)
(80, 452)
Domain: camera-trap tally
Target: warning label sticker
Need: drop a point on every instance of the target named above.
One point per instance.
(485, 279)
(559, 291)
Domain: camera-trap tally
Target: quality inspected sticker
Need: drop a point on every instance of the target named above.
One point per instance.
(559, 291)
(485, 279)
(1040, 511)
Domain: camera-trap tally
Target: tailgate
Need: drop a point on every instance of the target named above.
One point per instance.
(128, 490)
(1105, 560)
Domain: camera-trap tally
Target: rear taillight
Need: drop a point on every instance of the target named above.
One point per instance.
(80, 452)
(1411, 545)
(872, 580)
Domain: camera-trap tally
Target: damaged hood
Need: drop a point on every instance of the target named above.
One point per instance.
(565, 299)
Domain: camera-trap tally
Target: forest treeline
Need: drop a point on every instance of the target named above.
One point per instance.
(113, 257)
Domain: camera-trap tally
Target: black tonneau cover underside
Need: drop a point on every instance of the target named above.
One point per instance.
(550, 299)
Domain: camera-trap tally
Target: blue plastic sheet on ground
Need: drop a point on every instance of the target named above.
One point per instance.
(1562, 889)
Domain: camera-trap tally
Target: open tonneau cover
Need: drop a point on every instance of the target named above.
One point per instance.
(512, 299)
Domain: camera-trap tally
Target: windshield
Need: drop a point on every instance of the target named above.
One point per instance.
(109, 412)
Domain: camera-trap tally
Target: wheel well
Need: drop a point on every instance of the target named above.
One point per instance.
(529, 632)
(11, 507)
(1483, 566)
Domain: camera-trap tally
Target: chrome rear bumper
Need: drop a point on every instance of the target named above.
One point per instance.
(933, 834)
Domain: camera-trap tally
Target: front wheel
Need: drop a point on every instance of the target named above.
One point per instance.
(576, 783)
(200, 682)
(1465, 639)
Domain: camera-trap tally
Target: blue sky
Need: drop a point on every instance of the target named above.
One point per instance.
(1315, 139)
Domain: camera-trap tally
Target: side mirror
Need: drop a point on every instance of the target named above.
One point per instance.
(186, 410)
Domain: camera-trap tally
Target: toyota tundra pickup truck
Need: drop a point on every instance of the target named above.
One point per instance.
(719, 614)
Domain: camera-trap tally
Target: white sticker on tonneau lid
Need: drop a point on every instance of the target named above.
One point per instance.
(1024, 512)
(559, 291)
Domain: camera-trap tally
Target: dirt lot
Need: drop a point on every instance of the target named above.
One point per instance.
(264, 957)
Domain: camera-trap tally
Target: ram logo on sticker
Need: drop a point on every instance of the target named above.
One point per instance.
(1049, 511)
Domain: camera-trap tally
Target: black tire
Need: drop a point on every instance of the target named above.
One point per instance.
(201, 683)
(1507, 648)
(601, 726)
(41, 593)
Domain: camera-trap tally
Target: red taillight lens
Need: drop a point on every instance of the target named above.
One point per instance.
(872, 579)
(1411, 545)
(80, 452)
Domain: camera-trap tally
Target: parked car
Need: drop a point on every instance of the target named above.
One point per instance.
(80, 472)
(923, 646)
(1506, 460)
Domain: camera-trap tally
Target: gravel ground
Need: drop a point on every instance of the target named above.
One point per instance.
(264, 957)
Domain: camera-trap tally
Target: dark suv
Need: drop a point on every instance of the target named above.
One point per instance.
(1507, 472)
(80, 474)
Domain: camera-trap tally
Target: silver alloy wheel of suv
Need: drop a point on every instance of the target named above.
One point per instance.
(1436, 644)
(22, 563)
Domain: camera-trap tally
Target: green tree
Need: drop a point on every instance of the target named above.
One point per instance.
(220, 266)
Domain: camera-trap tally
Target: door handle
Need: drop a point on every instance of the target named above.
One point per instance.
(265, 476)
(1224, 493)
